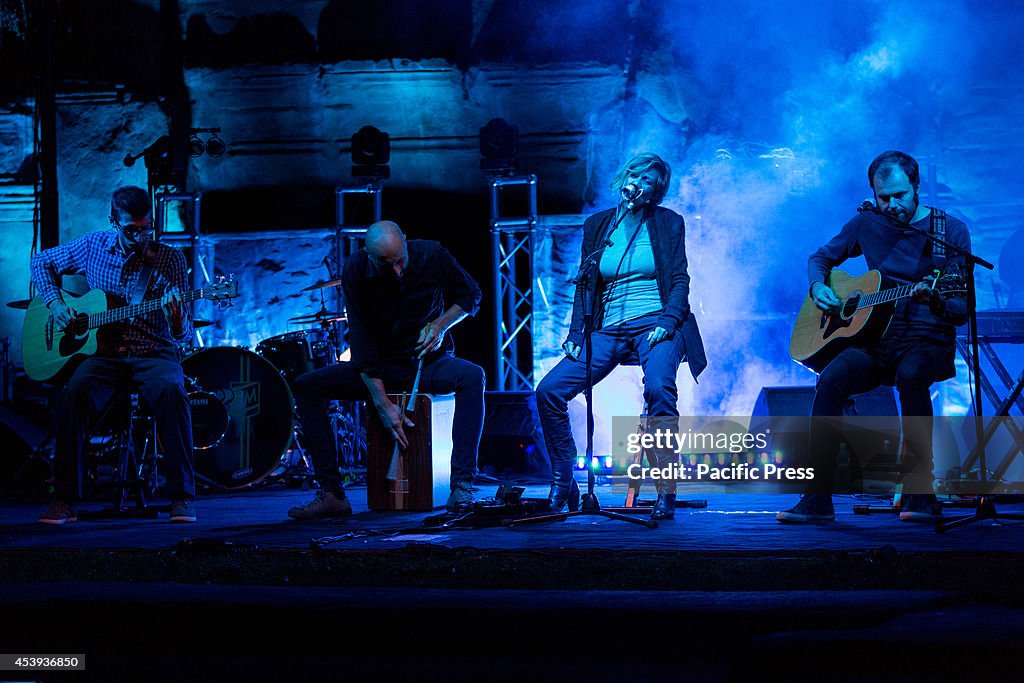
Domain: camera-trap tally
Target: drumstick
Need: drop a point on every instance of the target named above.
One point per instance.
(393, 467)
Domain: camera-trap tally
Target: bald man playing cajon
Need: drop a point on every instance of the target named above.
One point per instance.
(402, 297)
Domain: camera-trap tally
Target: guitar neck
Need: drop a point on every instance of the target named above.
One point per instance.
(114, 315)
(885, 296)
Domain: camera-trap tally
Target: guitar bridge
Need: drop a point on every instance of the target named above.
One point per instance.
(49, 333)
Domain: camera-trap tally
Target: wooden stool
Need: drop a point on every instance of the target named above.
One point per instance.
(424, 468)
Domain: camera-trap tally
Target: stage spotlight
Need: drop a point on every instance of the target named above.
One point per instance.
(499, 147)
(371, 152)
(371, 147)
(215, 147)
(196, 147)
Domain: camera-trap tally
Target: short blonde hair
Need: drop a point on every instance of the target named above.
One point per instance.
(640, 164)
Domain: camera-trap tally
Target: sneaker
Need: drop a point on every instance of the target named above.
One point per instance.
(183, 510)
(461, 496)
(920, 507)
(324, 504)
(812, 507)
(59, 513)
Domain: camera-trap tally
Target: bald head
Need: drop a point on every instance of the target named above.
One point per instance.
(386, 248)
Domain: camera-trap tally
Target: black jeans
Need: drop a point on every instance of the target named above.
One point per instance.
(612, 346)
(160, 382)
(909, 365)
(442, 374)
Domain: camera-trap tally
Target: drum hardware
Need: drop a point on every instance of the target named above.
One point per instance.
(292, 471)
(322, 284)
(321, 317)
(350, 434)
(198, 322)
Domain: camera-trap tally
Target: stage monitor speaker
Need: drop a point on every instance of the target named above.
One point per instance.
(512, 444)
(23, 464)
(787, 410)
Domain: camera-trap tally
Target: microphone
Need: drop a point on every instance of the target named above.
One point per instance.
(867, 205)
(631, 192)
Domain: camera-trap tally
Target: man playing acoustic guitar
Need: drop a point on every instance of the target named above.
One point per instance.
(915, 350)
(140, 355)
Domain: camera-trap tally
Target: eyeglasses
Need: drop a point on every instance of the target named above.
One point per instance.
(132, 228)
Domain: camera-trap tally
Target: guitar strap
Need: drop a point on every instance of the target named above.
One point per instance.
(938, 229)
(142, 284)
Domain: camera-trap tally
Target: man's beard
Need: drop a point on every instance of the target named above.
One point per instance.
(906, 214)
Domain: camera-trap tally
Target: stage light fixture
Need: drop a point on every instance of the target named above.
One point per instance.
(499, 147)
(158, 159)
(371, 152)
(196, 146)
(216, 147)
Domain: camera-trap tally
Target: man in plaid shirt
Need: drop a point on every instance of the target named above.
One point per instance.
(138, 355)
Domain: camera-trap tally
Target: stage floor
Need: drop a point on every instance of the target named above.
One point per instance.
(730, 522)
(720, 593)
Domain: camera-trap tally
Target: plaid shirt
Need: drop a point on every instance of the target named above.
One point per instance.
(98, 256)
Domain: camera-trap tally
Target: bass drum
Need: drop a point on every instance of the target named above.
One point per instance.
(260, 414)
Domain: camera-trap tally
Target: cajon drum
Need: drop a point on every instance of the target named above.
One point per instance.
(424, 467)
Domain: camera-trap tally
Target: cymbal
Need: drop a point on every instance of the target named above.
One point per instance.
(20, 304)
(320, 317)
(198, 322)
(322, 284)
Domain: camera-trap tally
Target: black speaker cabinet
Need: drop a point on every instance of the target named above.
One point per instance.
(870, 446)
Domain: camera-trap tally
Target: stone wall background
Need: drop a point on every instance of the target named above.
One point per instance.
(768, 113)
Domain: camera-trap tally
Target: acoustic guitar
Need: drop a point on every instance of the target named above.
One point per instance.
(47, 350)
(819, 336)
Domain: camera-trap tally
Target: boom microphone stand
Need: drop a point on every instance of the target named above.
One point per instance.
(984, 507)
(589, 505)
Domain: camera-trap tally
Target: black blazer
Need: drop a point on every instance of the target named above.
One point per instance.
(668, 233)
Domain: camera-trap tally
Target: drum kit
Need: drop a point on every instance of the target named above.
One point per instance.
(244, 429)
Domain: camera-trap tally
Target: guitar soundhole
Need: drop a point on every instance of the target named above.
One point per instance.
(850, 306)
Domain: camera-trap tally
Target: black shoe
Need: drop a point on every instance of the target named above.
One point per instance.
(561, 495)
(59, 512)
(920, 508)
(324, 504)
(664, 507)
(183, 510)
(461, 496)
(813, 507)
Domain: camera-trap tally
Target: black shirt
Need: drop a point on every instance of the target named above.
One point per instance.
(386, 314)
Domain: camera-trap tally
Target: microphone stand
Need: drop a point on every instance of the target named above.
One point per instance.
(984, 507)
(589, 505)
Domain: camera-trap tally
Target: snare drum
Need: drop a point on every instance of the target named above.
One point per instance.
(296, 353)
(259, 415)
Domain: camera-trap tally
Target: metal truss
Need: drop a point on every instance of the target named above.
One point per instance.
(512, 240)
